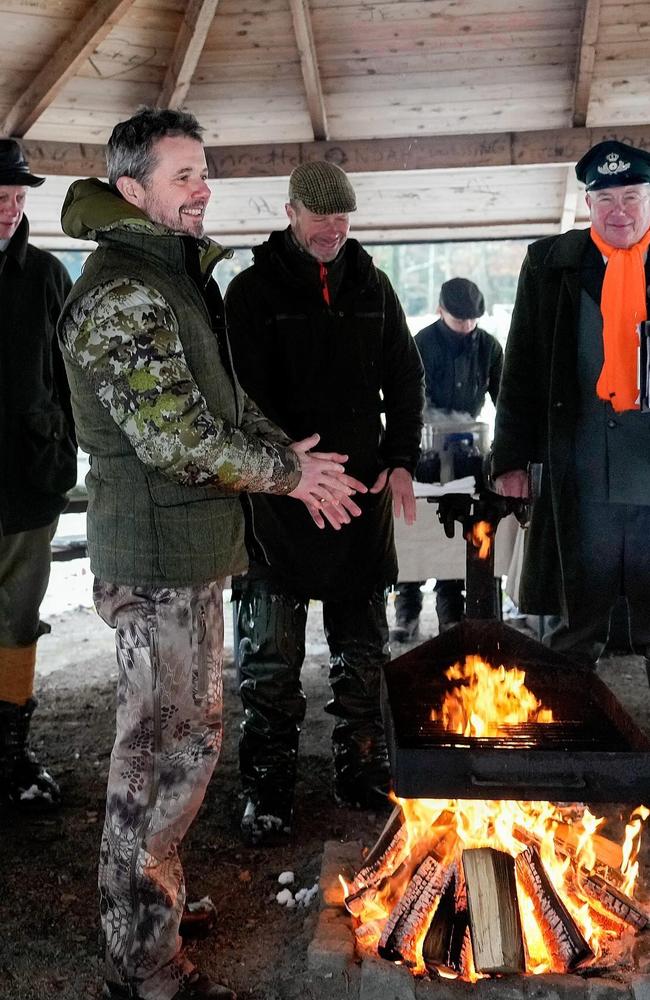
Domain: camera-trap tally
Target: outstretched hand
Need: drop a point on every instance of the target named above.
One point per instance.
(324, 487)
(401, 486)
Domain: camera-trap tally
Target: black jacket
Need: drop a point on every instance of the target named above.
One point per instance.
(332, 369)
(38, 454)
(459, 369)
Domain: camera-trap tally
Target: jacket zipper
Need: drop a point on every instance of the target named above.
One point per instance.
(155, 778)
(202, 667)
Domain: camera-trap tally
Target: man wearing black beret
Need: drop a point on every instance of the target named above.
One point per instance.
(38, 464)
(462, 364)
(574, 397)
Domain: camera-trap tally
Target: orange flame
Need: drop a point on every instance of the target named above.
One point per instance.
(481, 537)
(486, 700)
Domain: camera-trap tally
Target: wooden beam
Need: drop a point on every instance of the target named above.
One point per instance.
(585, 61)
(187, 50)
(449, 152)
(60, 66)
(570, 204)
(309, 63)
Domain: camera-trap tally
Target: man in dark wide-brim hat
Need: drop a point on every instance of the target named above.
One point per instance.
(38, 464)
(574, 398)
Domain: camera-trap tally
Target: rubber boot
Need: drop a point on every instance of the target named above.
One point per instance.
(450, 603)
(24, 782)
(357, 634)
(272, 650)
(408, 605)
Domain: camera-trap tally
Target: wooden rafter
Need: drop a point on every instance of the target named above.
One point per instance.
(570, 202)
(585, 61)
(187, 50)
(96, 24)
(451, 152)
(309, 64)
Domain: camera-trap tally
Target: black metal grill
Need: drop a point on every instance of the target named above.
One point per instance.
(593, 751)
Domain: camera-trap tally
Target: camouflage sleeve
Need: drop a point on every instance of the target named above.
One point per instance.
(254, 422)
(124, 335)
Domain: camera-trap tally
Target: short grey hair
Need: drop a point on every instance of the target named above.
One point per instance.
(130, 149)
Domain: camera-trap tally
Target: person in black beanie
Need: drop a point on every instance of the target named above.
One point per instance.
(462, 363)
(38, 464)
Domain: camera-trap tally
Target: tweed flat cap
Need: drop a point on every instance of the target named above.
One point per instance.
(322, 187)
(613, 164)
(462, 298)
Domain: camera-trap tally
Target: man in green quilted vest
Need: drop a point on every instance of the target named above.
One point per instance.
(174, 442)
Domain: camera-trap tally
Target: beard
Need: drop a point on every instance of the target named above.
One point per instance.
(175, 219)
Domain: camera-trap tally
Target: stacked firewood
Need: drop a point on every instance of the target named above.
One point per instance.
(444, 910)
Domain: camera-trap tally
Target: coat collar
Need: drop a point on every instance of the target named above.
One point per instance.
(567, 251)
(17, 247)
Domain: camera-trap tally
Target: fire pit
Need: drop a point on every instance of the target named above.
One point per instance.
(478, 873)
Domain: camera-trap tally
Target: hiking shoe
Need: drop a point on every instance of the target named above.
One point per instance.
(261, 827)
(197, 987)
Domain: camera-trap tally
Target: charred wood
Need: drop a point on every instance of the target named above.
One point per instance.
(495, 924)
(614, 900)
(446, 931)
(410, 917)
(386, 855)
(565, 943)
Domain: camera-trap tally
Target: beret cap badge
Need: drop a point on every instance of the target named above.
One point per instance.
(613, 165)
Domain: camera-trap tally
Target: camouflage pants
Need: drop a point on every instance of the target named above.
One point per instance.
(168, 736)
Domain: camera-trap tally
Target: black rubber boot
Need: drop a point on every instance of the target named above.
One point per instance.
(357, 633)
(450, 603)
(272, 650)
(24, 782)
(408, 605)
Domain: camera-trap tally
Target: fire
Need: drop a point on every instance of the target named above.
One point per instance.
(585, 878)
(487, 700)
(481, 537)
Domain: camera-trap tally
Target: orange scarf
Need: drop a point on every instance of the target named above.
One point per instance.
(623, 305)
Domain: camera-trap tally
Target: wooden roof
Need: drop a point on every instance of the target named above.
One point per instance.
(457, 118)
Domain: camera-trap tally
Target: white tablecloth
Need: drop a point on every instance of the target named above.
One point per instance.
(424, 551)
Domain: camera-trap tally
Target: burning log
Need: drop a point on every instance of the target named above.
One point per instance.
(410, 917)
(565, 842)
(446, 945)
(614, 900)
(495, 924)
(386, 855)
(561, 935)
(607, 852)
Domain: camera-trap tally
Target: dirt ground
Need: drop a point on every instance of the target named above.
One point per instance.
(48, 907)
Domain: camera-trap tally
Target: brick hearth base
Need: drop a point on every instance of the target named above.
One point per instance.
(333, 959)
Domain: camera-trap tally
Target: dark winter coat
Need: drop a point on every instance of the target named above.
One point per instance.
(332, 370)
(459, 369)
(538, 409)
(38, 454)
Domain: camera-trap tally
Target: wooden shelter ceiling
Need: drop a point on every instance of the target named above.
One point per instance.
(459, 119)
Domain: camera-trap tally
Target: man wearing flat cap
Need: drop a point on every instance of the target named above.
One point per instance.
(572, 399)
(320, 341)
(462, 364)
(38, 464)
